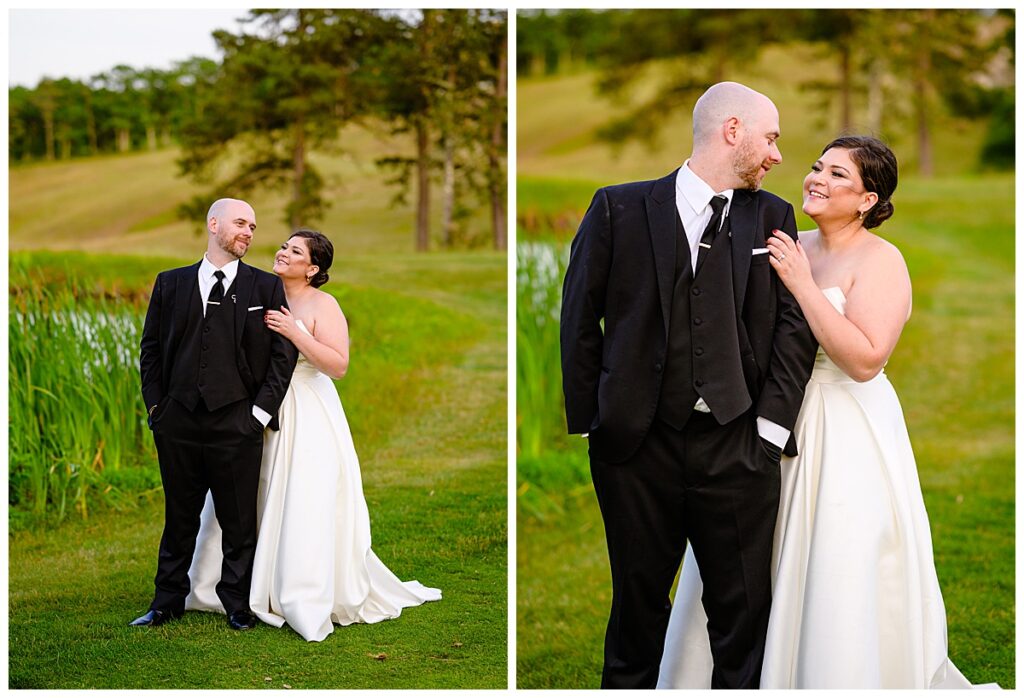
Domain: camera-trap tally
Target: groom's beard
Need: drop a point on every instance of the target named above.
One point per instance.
(233, 246)
(747, 167)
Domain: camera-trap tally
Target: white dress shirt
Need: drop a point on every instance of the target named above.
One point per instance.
(207, 280)
(693, 203)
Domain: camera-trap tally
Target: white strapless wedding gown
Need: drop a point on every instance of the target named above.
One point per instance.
(856, 601)
(313, 565)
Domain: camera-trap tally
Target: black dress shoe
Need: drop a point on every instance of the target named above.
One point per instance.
(241, 620)
(153, 617)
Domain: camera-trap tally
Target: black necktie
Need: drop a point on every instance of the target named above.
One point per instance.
(717, 206)
(217, 292)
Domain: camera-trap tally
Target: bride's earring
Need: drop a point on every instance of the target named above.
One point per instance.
(860, 215)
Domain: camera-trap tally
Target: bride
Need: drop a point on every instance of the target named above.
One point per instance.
(856, 601)
(313, 565)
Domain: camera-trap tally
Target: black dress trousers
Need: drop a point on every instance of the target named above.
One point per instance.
(199, 451)
(716, 486)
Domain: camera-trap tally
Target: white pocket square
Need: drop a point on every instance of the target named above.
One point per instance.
(255, 307)
(759, 250)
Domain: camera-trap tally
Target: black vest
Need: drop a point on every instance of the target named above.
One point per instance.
(205, 365)
(703, 355)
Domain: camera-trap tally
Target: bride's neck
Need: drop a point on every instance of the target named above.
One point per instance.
(295, 289)
(833, 235)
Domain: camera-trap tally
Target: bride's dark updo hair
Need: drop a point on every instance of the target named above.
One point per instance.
(321, 253)
(878, 170)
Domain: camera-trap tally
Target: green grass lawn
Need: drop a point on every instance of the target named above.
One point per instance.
(953, 368)
(428, 413)
(426, 397)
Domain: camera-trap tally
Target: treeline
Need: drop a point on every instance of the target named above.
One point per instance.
(883, 70)
(285, 86)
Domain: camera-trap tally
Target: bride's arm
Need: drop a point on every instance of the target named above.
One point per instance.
(327, 348)
(877, 306)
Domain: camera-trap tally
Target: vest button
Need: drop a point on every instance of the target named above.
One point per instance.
(698, 382)
(657, 367)
(202, 365)
(699, 351)
(205, 347)
(697, 321)
(696, 291)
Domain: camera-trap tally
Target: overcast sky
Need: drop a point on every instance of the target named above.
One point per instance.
(80, 43)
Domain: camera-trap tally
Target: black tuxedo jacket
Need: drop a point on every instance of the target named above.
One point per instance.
(622, 272)
(265, 359)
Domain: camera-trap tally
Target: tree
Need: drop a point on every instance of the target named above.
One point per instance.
(699, 44)
(282, 91)
(447, 87)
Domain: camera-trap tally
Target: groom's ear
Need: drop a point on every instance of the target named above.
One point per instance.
(731, 130)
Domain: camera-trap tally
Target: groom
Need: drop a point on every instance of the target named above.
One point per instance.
(213, 377)
(689, 391)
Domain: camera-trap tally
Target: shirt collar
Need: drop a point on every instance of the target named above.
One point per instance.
(206, 269)
(696, 191)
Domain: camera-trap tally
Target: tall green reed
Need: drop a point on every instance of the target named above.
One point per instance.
(540, 422)
(77, 424)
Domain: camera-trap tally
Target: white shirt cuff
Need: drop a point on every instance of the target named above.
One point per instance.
(261, 414)
(771, 431)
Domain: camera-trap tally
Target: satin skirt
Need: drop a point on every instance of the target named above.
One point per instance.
(314, 567)
(856, 600)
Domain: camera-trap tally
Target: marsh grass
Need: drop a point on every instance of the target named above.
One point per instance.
(78, 431)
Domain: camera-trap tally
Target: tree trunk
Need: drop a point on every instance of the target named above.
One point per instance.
(448, 187)
(423, 186)
(499, 219)
(924, 142)
(90, 127)
(48, 127)
(845, 89)
(876, 96)
(124, 140)
(151, 137)
(299, 174)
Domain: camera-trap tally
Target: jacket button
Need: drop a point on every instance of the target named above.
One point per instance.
(697, 321)
(698, 382)
(206, 329)
(696, 291)
(699, 351)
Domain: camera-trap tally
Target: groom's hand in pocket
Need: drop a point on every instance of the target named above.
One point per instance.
(773, 451)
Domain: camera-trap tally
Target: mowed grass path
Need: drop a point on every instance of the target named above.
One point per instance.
(431, 436)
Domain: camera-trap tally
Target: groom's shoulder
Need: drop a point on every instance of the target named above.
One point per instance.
(631, 191)
(262, 277)
(179, 272)
(771, 201)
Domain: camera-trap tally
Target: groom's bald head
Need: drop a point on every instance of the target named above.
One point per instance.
(721, 102)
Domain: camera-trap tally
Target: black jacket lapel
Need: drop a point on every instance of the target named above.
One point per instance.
(743, 224)
(185, 295)
(661, 222)
(240, 297)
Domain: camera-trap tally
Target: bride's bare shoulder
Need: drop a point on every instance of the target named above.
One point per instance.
(882, 255)
(326, 308)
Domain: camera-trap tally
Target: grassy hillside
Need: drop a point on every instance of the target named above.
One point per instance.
(126, 203)
(558, 116)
